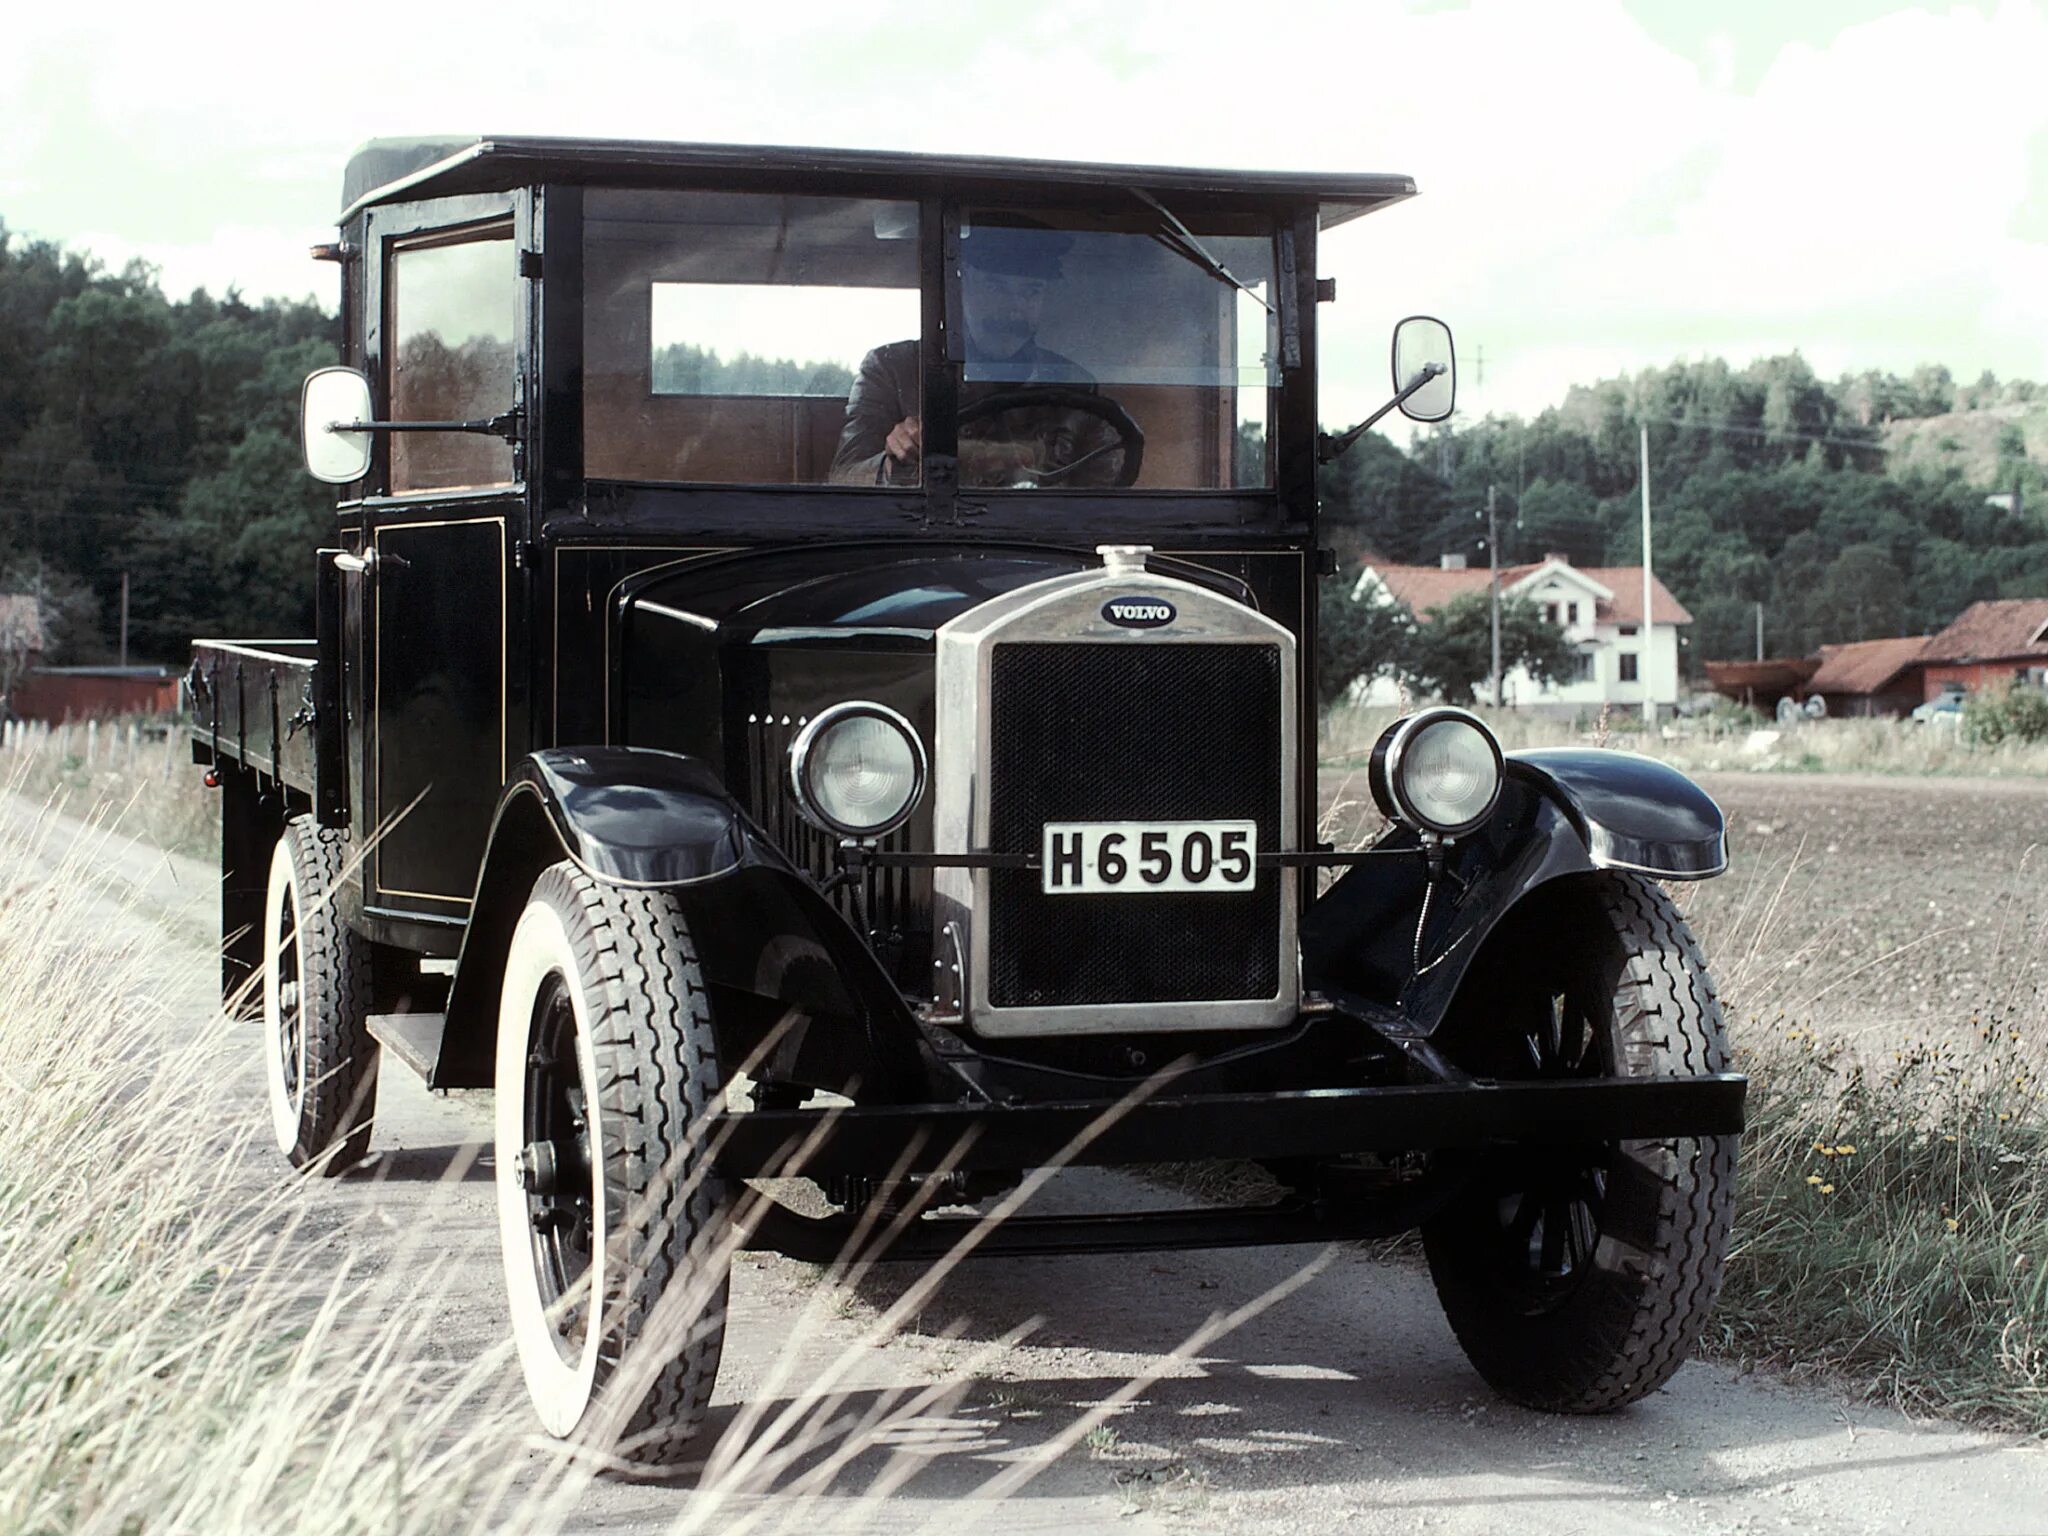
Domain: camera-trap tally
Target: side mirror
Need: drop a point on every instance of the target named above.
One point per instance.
(1420, 342)
(333, 399)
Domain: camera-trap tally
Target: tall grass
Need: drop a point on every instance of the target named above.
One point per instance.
(192, 1340)
(1893, 1223)
(140, 769)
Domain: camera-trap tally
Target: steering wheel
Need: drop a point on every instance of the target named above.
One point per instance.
(1130, 437)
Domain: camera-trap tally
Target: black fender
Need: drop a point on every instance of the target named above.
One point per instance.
(647, 819)
(1562, 812)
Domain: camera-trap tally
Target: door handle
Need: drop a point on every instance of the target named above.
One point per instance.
(364, 564)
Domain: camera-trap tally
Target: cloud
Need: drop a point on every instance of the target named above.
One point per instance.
(1593, 200)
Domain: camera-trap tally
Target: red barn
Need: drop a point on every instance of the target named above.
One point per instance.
(57, 694)
(1989, 645)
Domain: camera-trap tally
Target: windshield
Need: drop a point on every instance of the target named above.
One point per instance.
(1104, 338)
(754, 338)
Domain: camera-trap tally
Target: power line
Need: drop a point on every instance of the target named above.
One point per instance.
(1766, 432)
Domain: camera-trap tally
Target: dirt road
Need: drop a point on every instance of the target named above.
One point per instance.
(1345, 1404)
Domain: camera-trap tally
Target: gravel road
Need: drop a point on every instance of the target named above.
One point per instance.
(1344, 1403)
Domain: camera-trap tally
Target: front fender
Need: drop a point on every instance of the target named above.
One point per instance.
(1561, 813)
(645, 819)
(1634, 812)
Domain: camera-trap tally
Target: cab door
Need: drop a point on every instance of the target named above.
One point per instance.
(439, 614)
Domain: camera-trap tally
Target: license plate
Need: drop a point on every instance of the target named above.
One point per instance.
(1095, 858)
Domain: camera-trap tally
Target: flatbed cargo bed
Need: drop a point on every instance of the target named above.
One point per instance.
(253, 704)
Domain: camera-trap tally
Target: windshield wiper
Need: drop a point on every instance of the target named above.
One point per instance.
(1179, 239)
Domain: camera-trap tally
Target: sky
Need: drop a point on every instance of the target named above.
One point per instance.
(1606, 185)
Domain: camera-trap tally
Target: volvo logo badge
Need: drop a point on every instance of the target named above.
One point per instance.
(1139, 612)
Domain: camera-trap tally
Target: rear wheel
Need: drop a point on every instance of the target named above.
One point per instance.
(320, 1060)
(615, 1262)
(1578, 1278)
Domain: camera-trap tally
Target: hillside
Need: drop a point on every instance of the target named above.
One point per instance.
(1981, 445)
(1850, 510)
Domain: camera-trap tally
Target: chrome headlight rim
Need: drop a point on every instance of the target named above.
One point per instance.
(806, 741)
(1384, 773)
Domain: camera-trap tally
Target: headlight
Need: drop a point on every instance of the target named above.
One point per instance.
(857, 770)
(1438, 771)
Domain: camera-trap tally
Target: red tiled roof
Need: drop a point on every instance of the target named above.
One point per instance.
(1423, 587)
(1993, 630)
(1865, 666)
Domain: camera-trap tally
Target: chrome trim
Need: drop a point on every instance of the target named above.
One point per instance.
(1660, 861)
(1067, 610)
(800, 749)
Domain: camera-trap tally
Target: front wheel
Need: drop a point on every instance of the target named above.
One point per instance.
(1578, 1278)
(615, 1259)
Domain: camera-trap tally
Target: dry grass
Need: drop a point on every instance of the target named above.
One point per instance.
(182, 1346)
(192, 1340)
(138, 770)
(1725, 742)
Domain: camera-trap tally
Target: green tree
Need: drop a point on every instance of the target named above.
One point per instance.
(1560, 517)
(1393, 502)
(1863, 595)
(1369, 638)
(1452, 652)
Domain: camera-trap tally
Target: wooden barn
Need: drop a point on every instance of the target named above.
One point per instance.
(1869, 677)
(1989, 645)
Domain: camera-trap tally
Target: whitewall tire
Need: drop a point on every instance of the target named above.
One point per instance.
(320, 1062)
(614, 1252)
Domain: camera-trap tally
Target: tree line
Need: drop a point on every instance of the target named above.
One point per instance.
(1768, 485)
(158, 437)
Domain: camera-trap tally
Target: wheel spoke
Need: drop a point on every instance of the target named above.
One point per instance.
(1554, 1225)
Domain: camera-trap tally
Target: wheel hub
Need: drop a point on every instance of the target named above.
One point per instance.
(538, 1170)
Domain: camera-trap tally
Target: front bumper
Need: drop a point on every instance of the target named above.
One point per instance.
(893, 1142)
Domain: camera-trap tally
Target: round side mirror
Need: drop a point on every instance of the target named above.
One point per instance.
(1420, 343)
(332, 399)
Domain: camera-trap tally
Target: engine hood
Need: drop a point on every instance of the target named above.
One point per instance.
(850, 590)
(877, 591)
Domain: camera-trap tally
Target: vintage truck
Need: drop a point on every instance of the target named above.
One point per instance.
(812, 677)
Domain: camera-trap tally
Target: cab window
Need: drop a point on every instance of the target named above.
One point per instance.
(724, 332)
(451, 315)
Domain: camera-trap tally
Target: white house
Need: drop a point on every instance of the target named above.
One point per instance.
(1621, 660)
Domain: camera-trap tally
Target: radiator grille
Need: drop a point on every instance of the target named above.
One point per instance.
(1157, 732)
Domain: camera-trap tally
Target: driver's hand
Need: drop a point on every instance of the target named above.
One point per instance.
(985, 462)
(905, 440)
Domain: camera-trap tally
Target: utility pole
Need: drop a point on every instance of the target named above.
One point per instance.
(1493, 587)
(1759, 631)
(1649, 630)
(124, 618)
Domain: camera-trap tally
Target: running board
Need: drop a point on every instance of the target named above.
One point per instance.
(414, 1038)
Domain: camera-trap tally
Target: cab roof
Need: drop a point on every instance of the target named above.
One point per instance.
(391, 170)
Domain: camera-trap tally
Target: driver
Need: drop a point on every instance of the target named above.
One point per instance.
(1004, 279)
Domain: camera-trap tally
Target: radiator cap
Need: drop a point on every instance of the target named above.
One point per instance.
(1125, 559)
